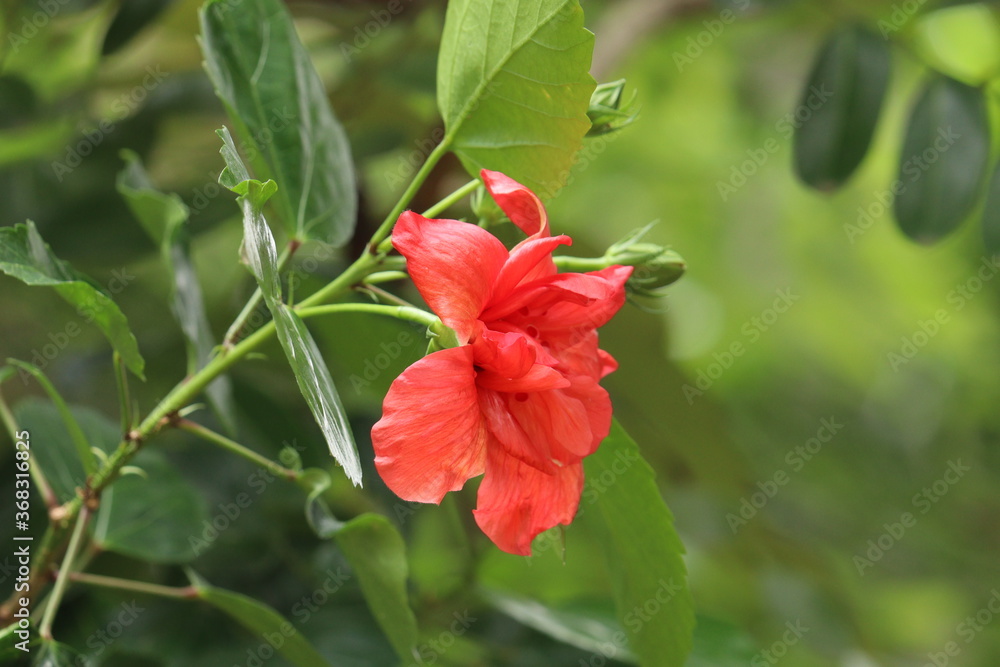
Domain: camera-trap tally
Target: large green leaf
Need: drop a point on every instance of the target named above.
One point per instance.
(377, 555)
(25, 256)
(163, 217)
(149, 516)
(840, 106)
(276, 100)
(264, 622)
(514, 87)
(311, 373)
(623, 506)
(944, 161)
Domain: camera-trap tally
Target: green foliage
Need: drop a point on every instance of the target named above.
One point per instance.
(276, 100)
(163, 217)
(311, 373)
(643, 551)
(944, 160)
(377, 555)
(262, 621)
(25, 256)
(514, 88)
(842, 101)
(149, 514)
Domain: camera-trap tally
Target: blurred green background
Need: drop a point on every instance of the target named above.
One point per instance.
(813, 429)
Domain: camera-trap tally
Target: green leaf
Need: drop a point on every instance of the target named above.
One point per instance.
(163, 217)
(944, 160)
(264, 622)
(962, 41)
(273, 94)
(25, 256)
(316, 385)
(514, 87)
(377, 554)
(841, 105)
(53, 447)
(150, 517)
(719, 644)
(131, 18)
(311, 372)
(991, 213)
(644, 553)
(572, 625)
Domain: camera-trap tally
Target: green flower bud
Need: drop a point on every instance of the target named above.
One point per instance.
(655, 266)
(607, 113)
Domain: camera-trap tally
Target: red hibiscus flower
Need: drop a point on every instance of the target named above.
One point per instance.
(519, 399)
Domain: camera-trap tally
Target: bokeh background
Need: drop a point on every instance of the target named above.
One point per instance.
(786, 465)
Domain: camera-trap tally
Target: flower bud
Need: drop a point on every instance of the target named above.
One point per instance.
(655, 266)
(607, 113)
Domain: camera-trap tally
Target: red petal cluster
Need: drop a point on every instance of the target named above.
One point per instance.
(519, 399)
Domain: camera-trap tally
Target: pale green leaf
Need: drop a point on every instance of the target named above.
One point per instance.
(514, 87)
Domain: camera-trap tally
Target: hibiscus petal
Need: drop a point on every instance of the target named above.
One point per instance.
(517, 501)
(519, 203)
(432, 437)
(506, 432)
(556, 421)
(509, 354)
(530, 260)
(538, 378)
(453, 264)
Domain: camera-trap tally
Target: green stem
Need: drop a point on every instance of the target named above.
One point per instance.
(382, 232)
(184, 593)
(408, 313)
(451, 199)
(385, 277)
(45, 629)
(386, 244)
(37, 476)
(236, 448)
(580, 264)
